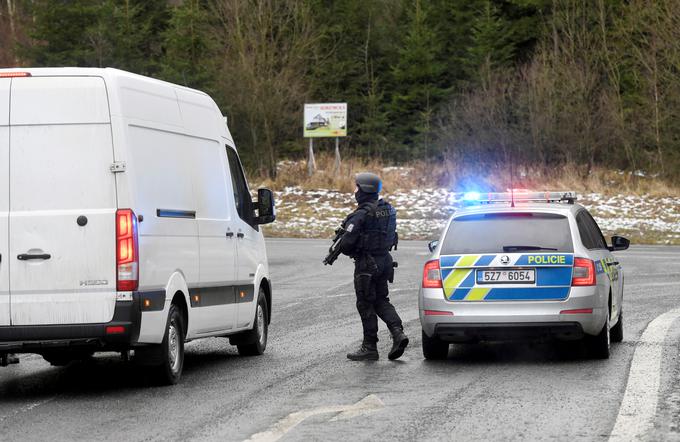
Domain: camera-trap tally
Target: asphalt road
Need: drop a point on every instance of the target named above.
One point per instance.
(482, 392)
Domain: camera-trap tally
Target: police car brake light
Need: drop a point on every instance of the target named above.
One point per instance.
(431, 276)
(584, 272)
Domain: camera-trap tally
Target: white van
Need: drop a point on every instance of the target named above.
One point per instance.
(126, 222)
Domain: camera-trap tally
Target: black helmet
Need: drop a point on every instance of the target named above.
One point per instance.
(369, 182)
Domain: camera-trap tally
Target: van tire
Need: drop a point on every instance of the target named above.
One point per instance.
(166, 359)
(434, 348)
(256, 339)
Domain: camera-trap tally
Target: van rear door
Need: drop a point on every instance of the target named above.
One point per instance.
(4, 200)
(62, 202)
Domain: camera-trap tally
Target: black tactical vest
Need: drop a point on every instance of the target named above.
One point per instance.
(379, 231)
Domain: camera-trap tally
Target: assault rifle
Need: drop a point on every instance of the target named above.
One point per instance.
(334, 250)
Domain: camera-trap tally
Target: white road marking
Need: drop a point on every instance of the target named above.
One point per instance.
(368, 404)
(652, 284)
(638, 408)
(26, 408)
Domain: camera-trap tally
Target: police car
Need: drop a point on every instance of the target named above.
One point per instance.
(522, 265)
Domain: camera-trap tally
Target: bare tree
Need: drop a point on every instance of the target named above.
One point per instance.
(8, 33)
(267, 47)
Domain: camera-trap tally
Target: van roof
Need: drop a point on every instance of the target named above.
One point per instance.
(92, 72)
(116, 77)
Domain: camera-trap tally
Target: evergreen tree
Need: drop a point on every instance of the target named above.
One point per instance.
(190, 48)
(65, 34)
(116, 33)
(132, 32)
(357, 46)
(491, 45)
(419, 85)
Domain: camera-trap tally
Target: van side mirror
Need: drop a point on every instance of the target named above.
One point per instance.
(266, 212)
(432, 245)
(619, 243)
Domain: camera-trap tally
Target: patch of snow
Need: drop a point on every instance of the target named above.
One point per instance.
(423, 212)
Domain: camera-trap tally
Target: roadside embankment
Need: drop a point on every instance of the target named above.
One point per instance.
(422, 213)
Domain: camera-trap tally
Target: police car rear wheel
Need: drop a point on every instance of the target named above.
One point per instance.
(257, 337)
(434, 348)
(598, 345)
(617, 330)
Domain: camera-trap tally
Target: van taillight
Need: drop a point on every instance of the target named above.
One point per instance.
(431, 276)
(584, 272)
(127, 251)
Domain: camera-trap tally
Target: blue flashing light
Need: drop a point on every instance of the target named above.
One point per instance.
(471, 196)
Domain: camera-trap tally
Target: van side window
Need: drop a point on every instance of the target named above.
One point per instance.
(244, 204)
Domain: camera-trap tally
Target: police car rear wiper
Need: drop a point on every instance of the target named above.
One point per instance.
(518, 248)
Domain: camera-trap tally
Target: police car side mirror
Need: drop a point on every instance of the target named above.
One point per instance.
(432, 245)
(266, 212)
(619, 243)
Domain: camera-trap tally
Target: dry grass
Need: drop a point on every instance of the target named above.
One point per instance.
(294, 173)
(461, 177)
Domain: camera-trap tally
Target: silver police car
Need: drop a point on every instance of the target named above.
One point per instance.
(522, 265)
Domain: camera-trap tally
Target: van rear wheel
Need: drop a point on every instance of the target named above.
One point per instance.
(167, 359)
(255, 340)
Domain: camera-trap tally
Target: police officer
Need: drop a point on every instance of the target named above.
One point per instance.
(370, 234)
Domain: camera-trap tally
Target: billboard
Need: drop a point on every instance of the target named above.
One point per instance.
(325, 120)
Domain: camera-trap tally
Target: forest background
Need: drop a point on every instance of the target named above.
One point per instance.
(480, 85)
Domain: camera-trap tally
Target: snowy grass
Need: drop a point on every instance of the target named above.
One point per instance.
(422, 213)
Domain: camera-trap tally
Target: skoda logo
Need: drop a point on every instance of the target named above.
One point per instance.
(505, 259)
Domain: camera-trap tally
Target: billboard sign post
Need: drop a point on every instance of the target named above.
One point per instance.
(324, 120)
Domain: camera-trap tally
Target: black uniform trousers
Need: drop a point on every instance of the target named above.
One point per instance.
(372, 295)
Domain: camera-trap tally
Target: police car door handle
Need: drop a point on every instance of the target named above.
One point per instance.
(27, 256)
(613, 263)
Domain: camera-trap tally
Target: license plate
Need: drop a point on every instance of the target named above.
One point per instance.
(519, 276)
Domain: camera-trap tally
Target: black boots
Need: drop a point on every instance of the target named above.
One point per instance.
(399, 343)
(367, 352)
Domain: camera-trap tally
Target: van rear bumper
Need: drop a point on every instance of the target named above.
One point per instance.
(34, 338)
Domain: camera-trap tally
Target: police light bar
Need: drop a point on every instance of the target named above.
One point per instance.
(518, 196)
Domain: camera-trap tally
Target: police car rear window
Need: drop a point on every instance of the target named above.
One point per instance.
(508, 233)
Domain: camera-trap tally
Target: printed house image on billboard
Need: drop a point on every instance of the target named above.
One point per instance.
(325, 120)
(317, 122)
